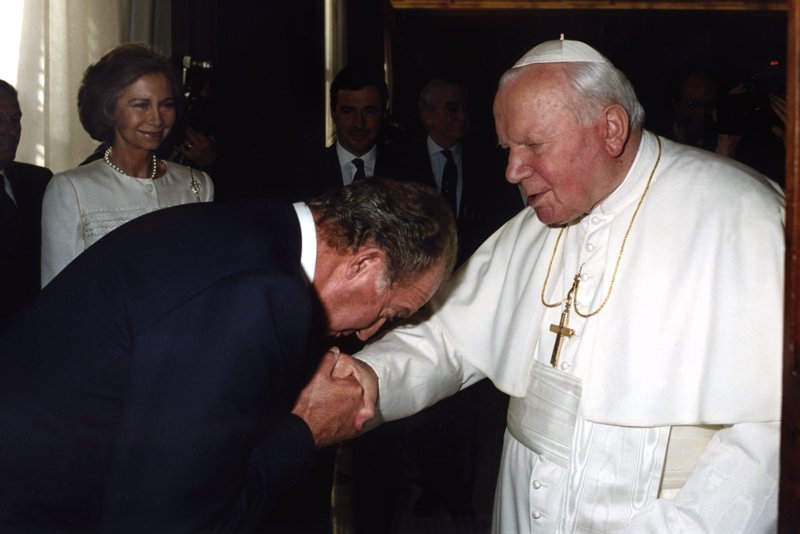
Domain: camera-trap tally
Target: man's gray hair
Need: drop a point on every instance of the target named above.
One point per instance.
(596, 86)
(427, 96)
(410, 222)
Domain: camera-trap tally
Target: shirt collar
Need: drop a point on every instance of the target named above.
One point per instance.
(308, 238)
(631, 188)
(6, 181)
(434, 148)
(345, 156)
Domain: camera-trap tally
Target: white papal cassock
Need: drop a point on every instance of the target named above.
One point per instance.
(678, 375)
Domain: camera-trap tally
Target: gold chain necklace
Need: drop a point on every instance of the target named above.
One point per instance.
(562, 329)
(619, 256)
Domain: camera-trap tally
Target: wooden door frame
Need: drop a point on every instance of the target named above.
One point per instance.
(789, 506)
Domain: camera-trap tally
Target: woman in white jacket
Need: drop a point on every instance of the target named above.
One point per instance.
(129, 101)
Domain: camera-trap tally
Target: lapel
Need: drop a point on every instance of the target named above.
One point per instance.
(333, 171)
(16, 183)
(24, 186)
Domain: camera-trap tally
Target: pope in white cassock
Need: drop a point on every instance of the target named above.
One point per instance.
(633, 314)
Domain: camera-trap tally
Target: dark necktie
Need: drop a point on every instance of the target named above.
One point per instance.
(450, 181)
(360, 174)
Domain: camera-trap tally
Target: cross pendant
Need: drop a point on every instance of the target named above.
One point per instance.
(561, 330)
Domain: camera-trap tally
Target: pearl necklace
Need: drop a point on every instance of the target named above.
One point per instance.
(153, 171)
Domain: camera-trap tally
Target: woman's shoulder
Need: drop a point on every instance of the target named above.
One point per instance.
(81, 175)
(179, 170)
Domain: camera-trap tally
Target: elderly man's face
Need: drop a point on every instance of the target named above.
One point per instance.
(558, 163)
(696, 109)
(10, 128)
(363, 302)
(448, 123)
(358, 116)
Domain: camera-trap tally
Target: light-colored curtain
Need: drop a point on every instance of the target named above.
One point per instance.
(335, 54)
(55, 41)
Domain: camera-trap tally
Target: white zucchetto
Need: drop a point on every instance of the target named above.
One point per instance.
(561, 51)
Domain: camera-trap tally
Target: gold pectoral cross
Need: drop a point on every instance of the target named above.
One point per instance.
(561, 330)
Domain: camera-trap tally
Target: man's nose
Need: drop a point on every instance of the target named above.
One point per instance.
(371, 330)
(517, 168)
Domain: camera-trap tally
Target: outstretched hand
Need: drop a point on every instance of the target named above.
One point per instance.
(349, 367)
(334, 404)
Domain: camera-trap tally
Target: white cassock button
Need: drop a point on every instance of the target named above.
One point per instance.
(537, 484)
(595, 219)
(148, 188)
(590, 247)
(585, 276)
(542, 458)
(564, 366)
(536, 514)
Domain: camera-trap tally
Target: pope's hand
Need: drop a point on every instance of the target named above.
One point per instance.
(335, 408)
(349, 367)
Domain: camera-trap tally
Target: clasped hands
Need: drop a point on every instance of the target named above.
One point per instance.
(339, 399)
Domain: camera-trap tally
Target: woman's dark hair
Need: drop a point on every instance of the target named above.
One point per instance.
(104, 81)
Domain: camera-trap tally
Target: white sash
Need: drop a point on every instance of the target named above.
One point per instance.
(544, 419)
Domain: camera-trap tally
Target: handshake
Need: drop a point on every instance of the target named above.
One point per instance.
(339, 399)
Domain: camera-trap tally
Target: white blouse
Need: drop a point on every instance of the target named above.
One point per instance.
(82, 205)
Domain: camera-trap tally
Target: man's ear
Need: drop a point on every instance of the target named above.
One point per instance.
(366, 260)
(617, 129)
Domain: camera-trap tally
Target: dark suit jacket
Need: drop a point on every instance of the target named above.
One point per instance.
(487, 200)
(322, 173)
(20, 237)
(149, 387)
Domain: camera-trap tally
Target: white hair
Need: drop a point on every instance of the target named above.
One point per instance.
(596, 86)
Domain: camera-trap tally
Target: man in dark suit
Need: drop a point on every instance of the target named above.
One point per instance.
(358, 98)
(21, 190)
(462, 167)
(152, 385)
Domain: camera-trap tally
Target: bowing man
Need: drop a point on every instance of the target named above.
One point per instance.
(152, 386)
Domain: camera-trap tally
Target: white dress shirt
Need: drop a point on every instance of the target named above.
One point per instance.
(347, 166)
(308, 233)
(438, 161)
(7, 187)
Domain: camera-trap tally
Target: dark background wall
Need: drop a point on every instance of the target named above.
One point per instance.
(268, 59)
(651, 47)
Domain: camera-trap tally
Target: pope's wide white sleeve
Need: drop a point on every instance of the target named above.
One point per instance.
(62, 228)
(416, 368)
(733, 489)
